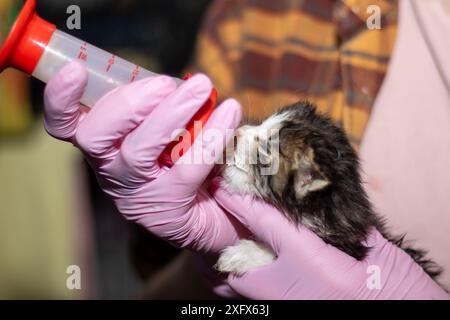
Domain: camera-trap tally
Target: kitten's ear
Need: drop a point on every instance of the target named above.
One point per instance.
(308, 177)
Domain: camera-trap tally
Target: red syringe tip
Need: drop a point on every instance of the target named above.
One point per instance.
(26, 41)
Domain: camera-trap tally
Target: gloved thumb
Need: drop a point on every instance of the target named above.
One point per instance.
(256, 283)
(62, 101)
(269, 224)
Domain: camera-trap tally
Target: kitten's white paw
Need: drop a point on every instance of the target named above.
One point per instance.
(243, 256)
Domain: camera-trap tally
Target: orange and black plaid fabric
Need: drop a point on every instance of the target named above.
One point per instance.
(268, 53)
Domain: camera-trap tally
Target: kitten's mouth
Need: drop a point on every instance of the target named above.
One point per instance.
(241, 164)
(235, 142)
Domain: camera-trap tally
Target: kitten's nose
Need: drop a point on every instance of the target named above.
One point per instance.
(239, 132)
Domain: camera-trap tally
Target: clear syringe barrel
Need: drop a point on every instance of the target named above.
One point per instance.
(106, 70)
(36, 47)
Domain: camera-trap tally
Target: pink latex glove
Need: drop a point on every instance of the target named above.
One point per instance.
(122, 137)
(308, 268)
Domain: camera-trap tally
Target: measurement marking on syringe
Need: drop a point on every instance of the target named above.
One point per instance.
(135, 73)
(111, 62)
(83, 54)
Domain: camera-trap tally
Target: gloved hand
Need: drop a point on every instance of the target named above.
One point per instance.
(122, 137)
(308, 268)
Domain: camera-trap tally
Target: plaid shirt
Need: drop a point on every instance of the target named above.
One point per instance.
(270, 53)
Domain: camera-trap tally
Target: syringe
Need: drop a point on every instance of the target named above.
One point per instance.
(36, 47)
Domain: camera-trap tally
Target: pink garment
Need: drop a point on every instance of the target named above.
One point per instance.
(406, 149)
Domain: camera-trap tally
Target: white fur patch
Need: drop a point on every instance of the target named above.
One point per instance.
(274, 121)
(243, 256)
(247, 254)
(238, 181)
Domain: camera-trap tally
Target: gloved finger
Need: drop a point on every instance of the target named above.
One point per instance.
(62, 95)
(256, 283)
(118, 113)
(145, 144)
(190, 171)
(271, 226)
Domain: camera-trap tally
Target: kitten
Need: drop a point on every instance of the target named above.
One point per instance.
(302, 163)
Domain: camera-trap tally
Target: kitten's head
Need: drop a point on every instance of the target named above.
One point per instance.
(290, 157)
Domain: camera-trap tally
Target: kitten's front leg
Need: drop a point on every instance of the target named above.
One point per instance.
(243, 256)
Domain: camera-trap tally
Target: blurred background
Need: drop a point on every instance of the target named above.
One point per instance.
(52, 213)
